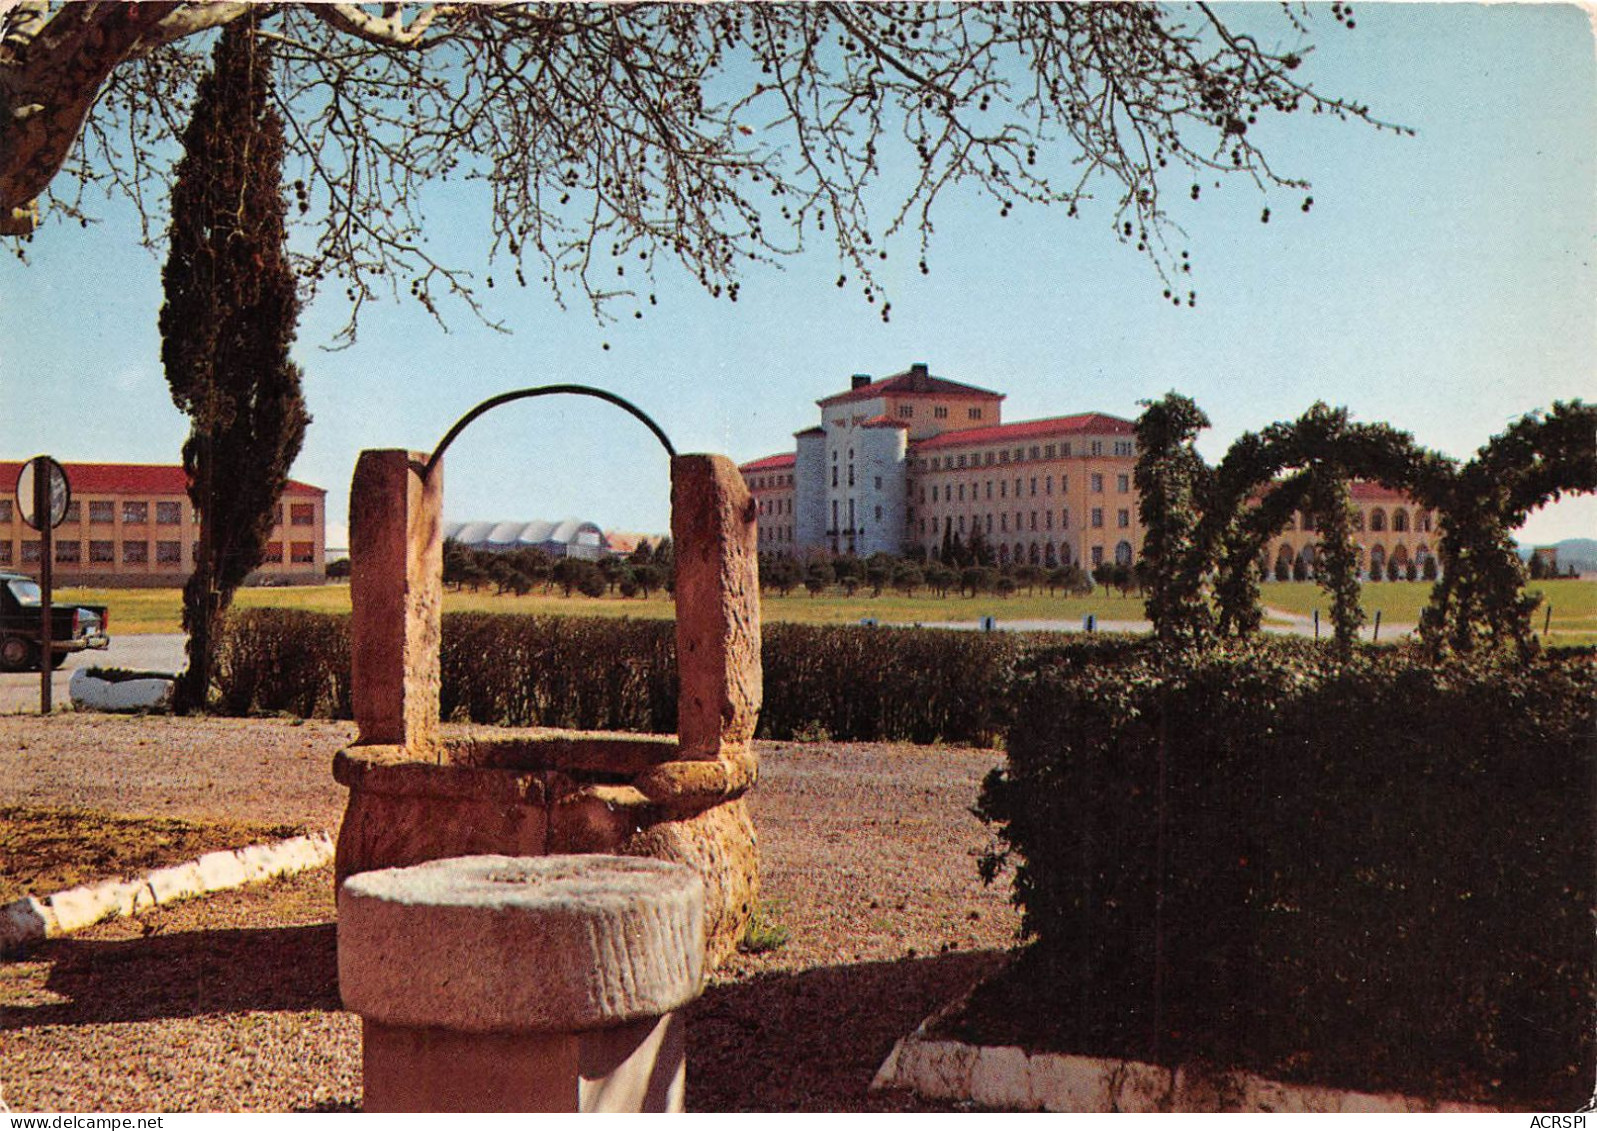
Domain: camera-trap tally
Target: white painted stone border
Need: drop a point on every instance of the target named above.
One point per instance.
(1011, 1078)
(30, 920)
(91, 693)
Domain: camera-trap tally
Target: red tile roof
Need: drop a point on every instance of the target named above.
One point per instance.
(1364, 491)
(127, 479)
(1089, 423)
(913, 380)
(770, 463)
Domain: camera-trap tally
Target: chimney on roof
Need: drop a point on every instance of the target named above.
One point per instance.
(859, 381)
(919, 369)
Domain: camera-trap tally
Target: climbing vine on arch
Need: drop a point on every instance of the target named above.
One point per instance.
(1208, 528)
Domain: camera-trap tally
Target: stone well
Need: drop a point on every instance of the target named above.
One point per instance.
(416, 796)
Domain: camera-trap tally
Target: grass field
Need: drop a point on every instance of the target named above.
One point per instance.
(139, 611)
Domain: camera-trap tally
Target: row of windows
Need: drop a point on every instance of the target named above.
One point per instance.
(137, 512)
(1028, 521)
(1001, 456)
(956, 492)
(762, 482)
(1377, 521)
(776, 506)
(103, 552)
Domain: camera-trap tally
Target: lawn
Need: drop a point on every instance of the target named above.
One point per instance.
(139, 611)
(1573, 605)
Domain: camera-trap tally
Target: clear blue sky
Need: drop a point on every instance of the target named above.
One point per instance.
(1443, 283)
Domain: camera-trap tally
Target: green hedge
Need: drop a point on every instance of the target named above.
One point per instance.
(1378, 873)
(846, 683)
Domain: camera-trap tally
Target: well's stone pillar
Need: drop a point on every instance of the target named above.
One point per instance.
(713, 526)
(500, 983)
(396, 588)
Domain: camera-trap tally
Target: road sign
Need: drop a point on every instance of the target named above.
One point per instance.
(29, 499)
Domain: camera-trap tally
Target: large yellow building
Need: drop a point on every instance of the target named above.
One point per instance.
(132, 524)
(912, 460)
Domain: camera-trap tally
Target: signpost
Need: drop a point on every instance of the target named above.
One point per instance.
(43, 495)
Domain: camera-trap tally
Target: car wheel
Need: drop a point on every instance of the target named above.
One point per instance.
(16, 654)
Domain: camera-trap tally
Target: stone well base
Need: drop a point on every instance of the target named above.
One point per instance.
(548, 794)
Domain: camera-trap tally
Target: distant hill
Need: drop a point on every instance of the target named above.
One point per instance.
(1578, 552)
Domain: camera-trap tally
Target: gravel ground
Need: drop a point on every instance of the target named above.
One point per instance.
(231, 1003)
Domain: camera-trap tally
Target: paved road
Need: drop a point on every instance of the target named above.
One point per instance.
(19, 691)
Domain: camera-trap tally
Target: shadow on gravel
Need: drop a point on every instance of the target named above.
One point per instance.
(185, 975)
(812, 1040)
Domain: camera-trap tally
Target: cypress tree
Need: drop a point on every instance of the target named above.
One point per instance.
(226, 327)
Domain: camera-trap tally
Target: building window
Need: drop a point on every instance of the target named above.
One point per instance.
(961, 461)
(1097, 483)
(1017, 487)
(934, 492)
(851, 475)
(989, 459)
(102, 552)
(906, 411)
(1034, 520)
(1122, 483)
(878, 514)
(1064, 484)
(975, 414)
(102, 510)
(274, 553)
(1064, 450)
(168, 514)
(1097, 555)
(1097, 518)
(940, 412)
(5, 552)
(878, 482)
(1034, 486)
(169, 553)
(1051, 450)
(1003, 523)
(989, 488)
(5, 510)
(1048, 485)
(962, 492)
(1377, 519)
(989, 524)
(74, 512)
(1123, 517)
(1124, 448)
(31, 552)
(302, 553)
(1036, 452)
(1003, 456)
(136, 514)
(1048, 519)
(834, 472)
(962, 524)
(135, 553)
(1097, 447)
(1003, 488)
(69, 552)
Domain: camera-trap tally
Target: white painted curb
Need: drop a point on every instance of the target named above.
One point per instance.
(1012, 1078)
(30, 920)
(91, 693)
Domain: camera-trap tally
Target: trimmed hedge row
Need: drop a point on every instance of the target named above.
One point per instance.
(1376, 872)
(845, 683)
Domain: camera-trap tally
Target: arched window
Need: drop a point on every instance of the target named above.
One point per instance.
(1423, 522)
(1377, 563)
(1050, 556)
(1020, 552)
(1003, 554)
(1284, 558)
(1377, 519)
(1123, 553)
(1399, 520)
(1034, 555)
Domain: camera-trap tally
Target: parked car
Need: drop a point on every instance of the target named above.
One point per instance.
(73, 628)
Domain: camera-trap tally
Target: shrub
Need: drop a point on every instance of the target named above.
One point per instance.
(1374, 866)
(853, 684)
